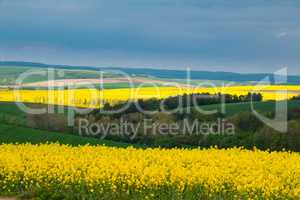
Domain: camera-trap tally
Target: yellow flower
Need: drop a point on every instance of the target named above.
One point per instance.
(94, 98)
(254, 173)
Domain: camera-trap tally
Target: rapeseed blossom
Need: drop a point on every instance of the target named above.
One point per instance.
(178, 173)
(94, 98)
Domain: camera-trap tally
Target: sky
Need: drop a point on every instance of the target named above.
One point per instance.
(212, 35)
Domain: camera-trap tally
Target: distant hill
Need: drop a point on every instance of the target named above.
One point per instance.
(163, 73)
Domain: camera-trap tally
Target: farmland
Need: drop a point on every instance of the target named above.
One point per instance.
(40, 157)
(13, 134)
(263, 107)
(149, 100)
(11, 113)
(54, 171)
(9, 75)
(94, 98)
(58, 165)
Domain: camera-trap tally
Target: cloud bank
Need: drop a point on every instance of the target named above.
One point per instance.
(252, 36)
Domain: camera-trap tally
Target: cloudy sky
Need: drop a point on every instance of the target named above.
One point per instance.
(222, 35)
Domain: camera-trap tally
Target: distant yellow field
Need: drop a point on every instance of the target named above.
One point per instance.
(94, 97)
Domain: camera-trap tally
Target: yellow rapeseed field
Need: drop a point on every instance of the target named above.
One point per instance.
(100, 172)
(94, 97)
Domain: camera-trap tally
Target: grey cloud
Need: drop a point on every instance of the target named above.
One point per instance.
(203, 34)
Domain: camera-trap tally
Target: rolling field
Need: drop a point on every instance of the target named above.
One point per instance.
(14, 134)
(53, 171)
(262, 107)
(94, 98)
(149, 100)
(50, 165)
(8, 75)
(10, 113)
(8, 109)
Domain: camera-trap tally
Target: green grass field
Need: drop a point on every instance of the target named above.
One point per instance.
(13, 121)
(9, 75)
(10, 113)
(13, 130)
(261, 107)
(13, 134)
(12, 110)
